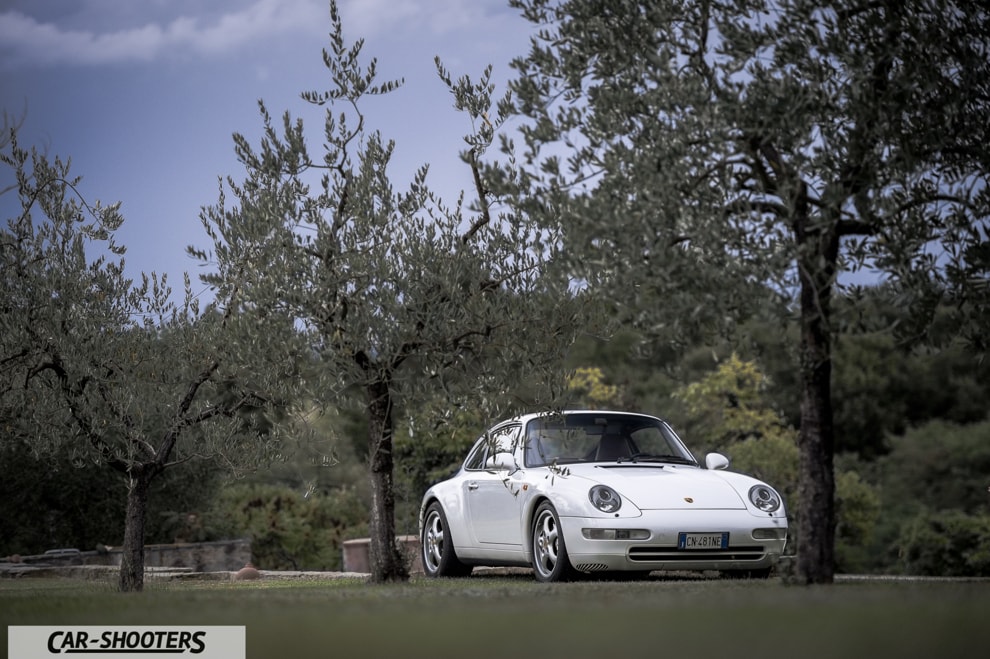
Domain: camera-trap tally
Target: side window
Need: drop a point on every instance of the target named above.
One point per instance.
(503, 439)
(476, 459)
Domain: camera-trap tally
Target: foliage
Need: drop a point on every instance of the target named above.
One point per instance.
(883, 389)
(588, 385)
(730, 405)
(329, 456)
(98, 369)
(729, 410)
(425, 455)
(774, 459)
(643, 378)
(289, 529)
(52, 503)
(880, 386)
(399, 294)
(946, 544)
(713, 149)
(858, 509)
(938, 466)
(84, 504)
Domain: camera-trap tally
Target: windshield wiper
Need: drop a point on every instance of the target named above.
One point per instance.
(647, 457)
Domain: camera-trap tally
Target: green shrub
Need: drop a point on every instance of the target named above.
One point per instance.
(857, 505)
(425, 454)
(947, 543)
(289, 529)
(940, 465)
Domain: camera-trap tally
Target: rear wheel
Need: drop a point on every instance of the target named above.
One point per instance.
(550, 561)
(439, 558)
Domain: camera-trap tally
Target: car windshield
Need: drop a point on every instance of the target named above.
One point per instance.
(590, 437)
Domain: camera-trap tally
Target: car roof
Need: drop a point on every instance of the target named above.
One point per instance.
(525, 418)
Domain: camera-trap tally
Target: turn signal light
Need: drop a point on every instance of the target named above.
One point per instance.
(615, 534)
(768, 534)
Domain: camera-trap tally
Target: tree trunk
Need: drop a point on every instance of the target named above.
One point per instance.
(132, 558)
(387, 563)
(817, 260)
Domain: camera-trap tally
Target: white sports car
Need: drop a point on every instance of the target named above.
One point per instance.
(592, 492)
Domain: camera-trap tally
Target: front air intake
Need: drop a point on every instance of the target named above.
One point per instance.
(648, 554)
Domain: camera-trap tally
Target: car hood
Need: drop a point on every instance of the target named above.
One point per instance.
(667, 486)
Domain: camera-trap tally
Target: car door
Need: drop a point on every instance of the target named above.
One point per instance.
(490, 492)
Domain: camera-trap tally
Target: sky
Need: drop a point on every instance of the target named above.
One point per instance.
(144, 95)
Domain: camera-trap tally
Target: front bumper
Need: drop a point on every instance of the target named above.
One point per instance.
(749, 547)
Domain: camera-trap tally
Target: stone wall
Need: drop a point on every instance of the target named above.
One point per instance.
(220, 556)
(199, 556)
(357, 554)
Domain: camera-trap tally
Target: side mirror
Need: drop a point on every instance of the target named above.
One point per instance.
(716, 461)
(502, 462)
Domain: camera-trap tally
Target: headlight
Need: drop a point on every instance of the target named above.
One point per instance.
(764, 498)
(605, 499)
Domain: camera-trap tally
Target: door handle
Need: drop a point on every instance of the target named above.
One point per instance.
(472, 486)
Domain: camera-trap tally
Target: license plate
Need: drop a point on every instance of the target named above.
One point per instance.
(702, 540)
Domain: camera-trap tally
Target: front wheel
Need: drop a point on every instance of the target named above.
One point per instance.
(439, 559)
(550, 562)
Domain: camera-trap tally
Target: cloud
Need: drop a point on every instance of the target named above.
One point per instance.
(435, 17)
(25, 41)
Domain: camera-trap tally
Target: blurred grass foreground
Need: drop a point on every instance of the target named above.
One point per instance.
(505, 616)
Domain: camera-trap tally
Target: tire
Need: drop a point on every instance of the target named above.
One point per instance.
(550, 561)
(437, 549)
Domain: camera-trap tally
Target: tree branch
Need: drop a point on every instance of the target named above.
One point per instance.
(486, 217)
(854, 228)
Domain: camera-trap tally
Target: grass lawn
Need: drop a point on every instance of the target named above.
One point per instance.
(513, 616)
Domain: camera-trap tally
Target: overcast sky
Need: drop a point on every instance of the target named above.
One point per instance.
(143, 95)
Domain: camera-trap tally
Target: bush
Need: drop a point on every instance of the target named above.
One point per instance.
(426, 454)
(774, 459)
(57, 501)
(291, 530)
(857, 512)
(946, 544)
(941, 464)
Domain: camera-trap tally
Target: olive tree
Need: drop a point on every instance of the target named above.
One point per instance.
(109, 371)
(402, 297)
(695, 148)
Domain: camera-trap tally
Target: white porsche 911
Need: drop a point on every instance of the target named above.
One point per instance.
(597, 492)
